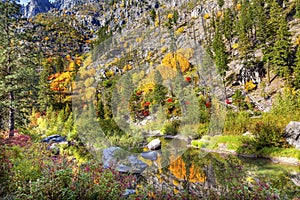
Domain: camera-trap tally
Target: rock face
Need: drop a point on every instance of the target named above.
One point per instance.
(292, 134)
(154, 144)
(67, 4)
(36, 6)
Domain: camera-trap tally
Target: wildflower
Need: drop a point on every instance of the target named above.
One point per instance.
(145, 113)
(170, 100)
(146, 104)
(188, 79)
(208, 104)
(227, 101)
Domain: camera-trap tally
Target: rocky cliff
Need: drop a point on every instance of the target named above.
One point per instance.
(36, 6)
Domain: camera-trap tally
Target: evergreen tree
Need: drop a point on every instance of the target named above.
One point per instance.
(18, 77)
(221, 3)
(220, 54)
(228, 25)
(277, 49)
(45, 95)
(159, 90)
(259, 22)
(296, 69)
(244, 30)
(298, 8)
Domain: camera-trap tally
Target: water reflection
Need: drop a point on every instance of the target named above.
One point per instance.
(191, 172)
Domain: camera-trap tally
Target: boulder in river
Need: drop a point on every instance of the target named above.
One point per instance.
(292, 134)
(121, 161)
(154, 144)
(150, 155)
(109, 156)
(132, 165)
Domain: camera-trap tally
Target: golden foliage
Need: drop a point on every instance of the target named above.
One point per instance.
(147, 87)
(150, 54)
(238, 6)
(164, 49)
(156, 22)
(235, 45)
(249, 86)
(298, 41)
(59, 82)
(219, 13)
(206, 16)
(172, 61)
(127, 67)
(179, 31)
(170, 15)
(71, 66)
(110, 73)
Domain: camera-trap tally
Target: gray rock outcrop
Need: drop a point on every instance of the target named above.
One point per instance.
(154, 144)
(36, 6)
(292, 134)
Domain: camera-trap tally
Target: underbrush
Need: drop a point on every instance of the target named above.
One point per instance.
(29, 171)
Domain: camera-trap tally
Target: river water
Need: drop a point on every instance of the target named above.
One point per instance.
(198, 172)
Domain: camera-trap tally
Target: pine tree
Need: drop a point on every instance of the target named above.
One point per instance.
(221, 3)
(18, 77)
(220, 54)
(228, 25)
(159, 90)
(298, 8)
(296, 68)
(244, 30)
(259, 22)
(45, 94)
(277, 48)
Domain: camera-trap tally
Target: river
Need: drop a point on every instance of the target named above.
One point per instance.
(199, 173)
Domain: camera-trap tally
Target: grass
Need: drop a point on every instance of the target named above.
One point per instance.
(280, 152)
(242, 144)
(233, 142)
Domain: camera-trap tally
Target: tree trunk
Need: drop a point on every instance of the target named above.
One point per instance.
(268, 72)
(11, 115)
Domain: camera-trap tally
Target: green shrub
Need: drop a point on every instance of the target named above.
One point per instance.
(170, 128)
(237, 123)
(268, 135)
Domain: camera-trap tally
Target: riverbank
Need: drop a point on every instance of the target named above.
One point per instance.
(242, 146)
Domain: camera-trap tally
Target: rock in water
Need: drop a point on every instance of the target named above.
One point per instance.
(132, 165)
(108, 156)
(149, 155)
(292, 134)
(154, 144)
